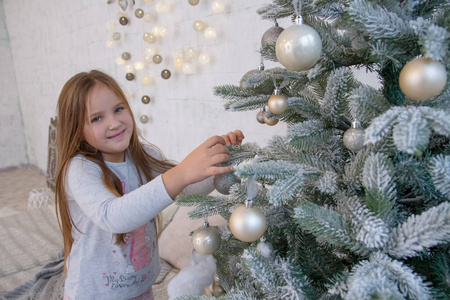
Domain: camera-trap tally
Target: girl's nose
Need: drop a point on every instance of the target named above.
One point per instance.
(113, 123)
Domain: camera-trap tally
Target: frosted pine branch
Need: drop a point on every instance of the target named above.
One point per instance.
(379, 183)
(440, 173)
(382, 276)
(334, 102)
(366, 103)
(420, 232)
(285, 190)
(241, 153)
(411, 133)
(433, 38)
(328, 183)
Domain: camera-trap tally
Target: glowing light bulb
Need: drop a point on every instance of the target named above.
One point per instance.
(198, 25)
(210, 33)
(188, 69)
(146, 80)
(204, 58)
(178, 62)
(120, 61)
(217, 7)
(139, 65)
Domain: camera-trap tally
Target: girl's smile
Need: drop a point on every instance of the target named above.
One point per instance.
(109, 124)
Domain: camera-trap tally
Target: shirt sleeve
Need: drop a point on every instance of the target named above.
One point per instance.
(109, 212)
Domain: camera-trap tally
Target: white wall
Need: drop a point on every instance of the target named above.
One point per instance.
(52, 40)
(12, 139)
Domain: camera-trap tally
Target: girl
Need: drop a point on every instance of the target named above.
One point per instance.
(109, 190)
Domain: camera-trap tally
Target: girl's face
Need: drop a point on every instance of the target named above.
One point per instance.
(109, 125)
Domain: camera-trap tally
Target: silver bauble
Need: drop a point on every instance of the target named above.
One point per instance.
(223, 182)
(422, 78)
(206, 239)
(271, 35)
(354, 138)
(277, 103)
(298, 47)
(260, 117)
(271, 121)
(247, 223)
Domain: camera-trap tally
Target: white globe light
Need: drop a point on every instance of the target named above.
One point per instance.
(204, 58)
(155, 30)
(190, 52)
(178, 62)
(162, 31)
(150, 51)
(111, 26)
(110, 44)
(198, 25)
(217, 7)
(210, 33)
(129, 69)
(162, 7)
(147, 80)
(188, 68)
(120, 61)
(148, 59)
(148, 17)
(139, 65)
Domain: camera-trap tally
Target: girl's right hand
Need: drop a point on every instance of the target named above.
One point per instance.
(198, 165)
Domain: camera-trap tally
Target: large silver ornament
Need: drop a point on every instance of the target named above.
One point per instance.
(247, 223)
(206, 240)
(422, 78)
(354, 137)
(298, 47)
(223, 182)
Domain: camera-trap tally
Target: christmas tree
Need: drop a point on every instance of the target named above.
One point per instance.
(355, 197)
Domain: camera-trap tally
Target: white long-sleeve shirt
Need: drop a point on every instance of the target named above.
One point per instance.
(97, 268)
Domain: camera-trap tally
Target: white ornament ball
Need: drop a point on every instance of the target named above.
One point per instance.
(210, 33)
(247, 223)
(150, 51)
(278, 104)
(139, 65)
(423, 78)
(146, 80)
(354, 139)
(120, 61)
(217, 7)
(298, 47)
(110, 44)
(204, 58)
(178, 62)
(188, 69)
(206, 240)
(199, 25)
(129, 69)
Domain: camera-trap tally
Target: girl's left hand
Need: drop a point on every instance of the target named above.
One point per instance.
(234, 137)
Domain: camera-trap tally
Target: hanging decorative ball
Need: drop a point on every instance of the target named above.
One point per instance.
(271, 121)
(139, 13)
(178, 62)
(260, 117)
(206, 240)
(193, 2)
(149, 38)
(144, 119)
(217, 7)
(223, 182)
(166, 74)
(298, 47)
(265, 249)
(126, 56)
(129, 76)
(247, 223)
(277, 103)
(188, 69)
(145, 99)
(120, 61)
(423, 78)
(146, 80)
(129, 68)
(204, 58)
(150, 51)
(258, 70)
(123, 21)
(148, 17)
(191, 53)
(354, 137)
(210, 33)
(198, 25)
(116, 36)
(157, 59)
(139, 65)
(271, 35)
(110, 44)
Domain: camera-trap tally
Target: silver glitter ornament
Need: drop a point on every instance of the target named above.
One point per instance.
(223, 182)
(247, 223)
(206, 240)
(298, 47)
(354, 137)
(271, 35)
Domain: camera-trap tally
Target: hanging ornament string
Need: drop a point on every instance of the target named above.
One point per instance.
(282, 84)
(297, 8)
(252, 188)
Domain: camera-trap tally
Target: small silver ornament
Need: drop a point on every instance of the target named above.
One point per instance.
(144, 119)
(422, 78)
(126, 56)
(145, 99)
(165, 74)
(271, 35)
(298, 47)
(116, 36)
(206, 240)
(157, 59)
(260, 117)
(139, 13)
(354, 137)
(278, 102)
(129, 76)
(123, 21)
(223, 182)
(247, 223)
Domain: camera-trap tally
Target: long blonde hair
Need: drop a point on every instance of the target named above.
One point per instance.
(72, 104)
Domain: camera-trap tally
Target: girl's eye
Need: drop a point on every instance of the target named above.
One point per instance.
(119, 109)
(96, 119)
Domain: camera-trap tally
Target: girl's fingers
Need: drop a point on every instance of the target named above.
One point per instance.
(214, 140)
(239, 136)
(219, 170)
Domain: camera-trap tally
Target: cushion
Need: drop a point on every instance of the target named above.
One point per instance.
(175, 244)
